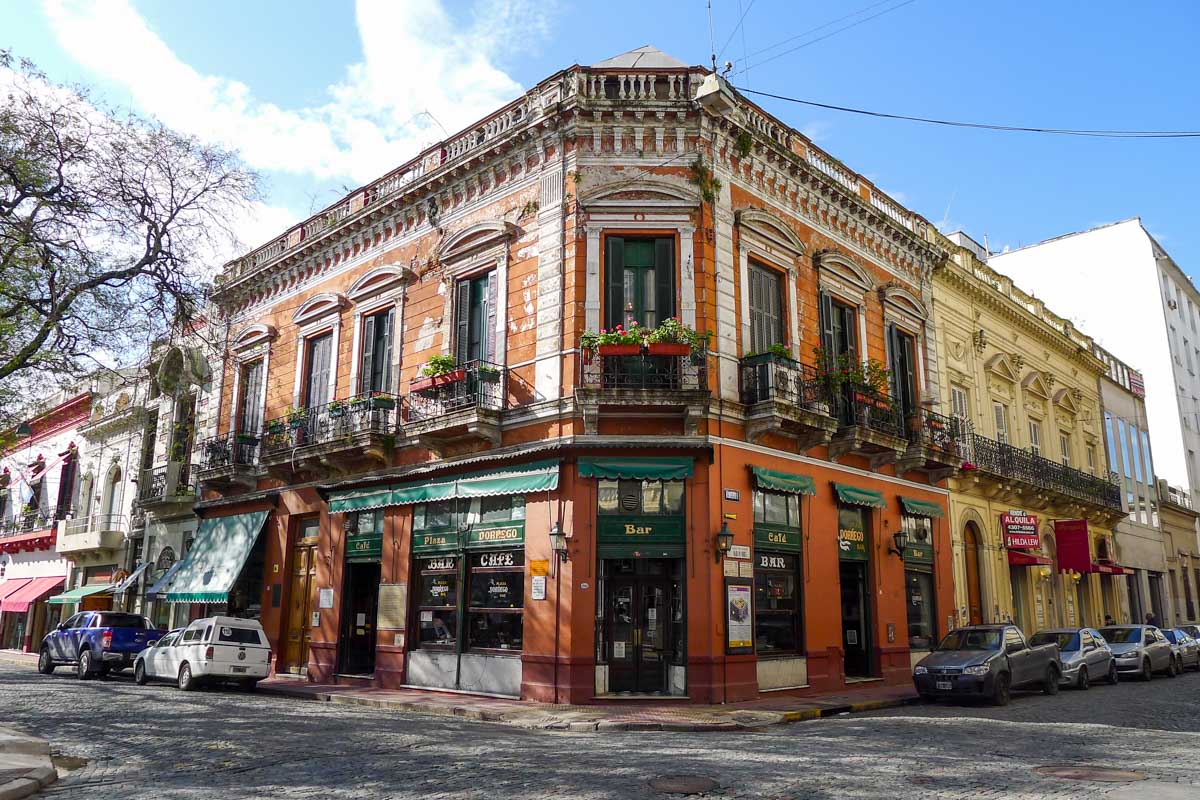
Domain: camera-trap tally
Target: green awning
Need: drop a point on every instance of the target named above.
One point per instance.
(783, 481)
(218, 554)
(921, 508)
(75, 595)
(537, 476)
(852, 495)
(662, 469)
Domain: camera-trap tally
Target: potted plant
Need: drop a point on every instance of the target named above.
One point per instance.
(617, 342)
(382, 401)
(296, 417)
(488, 373)
(360, 402)
(336, 408)
(440, 371)
(673, 338)
(275, 427)
(247, 438)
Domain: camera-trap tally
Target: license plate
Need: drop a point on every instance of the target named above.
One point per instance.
(237, 669)
(945, 685)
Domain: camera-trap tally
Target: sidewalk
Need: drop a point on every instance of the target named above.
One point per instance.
(25, 766)
(621, 716)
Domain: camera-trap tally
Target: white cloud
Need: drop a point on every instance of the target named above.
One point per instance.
(415, 58)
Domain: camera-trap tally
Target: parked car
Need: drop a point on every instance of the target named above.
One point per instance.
(208, 650)
(1192, 631)
(95, 642)
(1187, 649)
(987, 661)
(1084, 654)
(1141, 650)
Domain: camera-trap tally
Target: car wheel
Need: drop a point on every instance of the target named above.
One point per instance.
(84, 668)
(1114, 677)
(1050, 682)
(1082, 683)
(1000, 692)
(1196, 666)
(1147, 672)
(45, 662)
(186, 682)
(1172, 668)
(139, 674)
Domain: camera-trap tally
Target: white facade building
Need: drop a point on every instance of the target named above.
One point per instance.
(1119, 284)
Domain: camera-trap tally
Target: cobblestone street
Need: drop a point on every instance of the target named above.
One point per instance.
(156, 742)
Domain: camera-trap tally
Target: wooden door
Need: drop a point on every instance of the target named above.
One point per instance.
(971, 552)
(300, 603)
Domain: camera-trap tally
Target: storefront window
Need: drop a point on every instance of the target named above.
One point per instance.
(776, 508)
(776, 603)
(497, 600)
(640, 497)
(921, 634)
(437, 608)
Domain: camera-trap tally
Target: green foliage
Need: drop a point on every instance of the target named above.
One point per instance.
(743, 144)
(703, 179)
(780, 350)
(838, 372)
(439, 365)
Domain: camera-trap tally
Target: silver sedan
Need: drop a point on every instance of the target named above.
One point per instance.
(1141, 650)
(1187, 649)
(1085, 655)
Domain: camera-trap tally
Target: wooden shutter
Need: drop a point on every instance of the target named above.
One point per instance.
(614, 278)
(489, 318)
(894, 358)
(774, 288)
(384, 325)
(249, 418)
(849, 330)
(462, 322)
(366, 369)
(1000, 414)
(828, 334)
(664, 278)
(766, 309)
(318, 370)
(755, 310)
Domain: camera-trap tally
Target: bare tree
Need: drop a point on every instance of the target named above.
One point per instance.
(109, 226)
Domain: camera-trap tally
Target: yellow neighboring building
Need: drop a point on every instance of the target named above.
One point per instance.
(1032, 509)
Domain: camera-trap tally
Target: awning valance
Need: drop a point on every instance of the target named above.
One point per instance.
(852, 495)
(12, 586)
(132, 580)
(1018, 558)
(1108, 568)
(638, 469)
(921, 508)
(208, 571)
(18, 602)
(75, 595)
(538, 476)
(783, 481)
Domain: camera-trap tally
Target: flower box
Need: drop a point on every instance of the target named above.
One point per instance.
(296, 423)
(383, 402)
(433, 381)
(489, 375)
(337, 411)
(967, 466)
(247, 438)
(669, 348)
(275, 426)
(620, 349)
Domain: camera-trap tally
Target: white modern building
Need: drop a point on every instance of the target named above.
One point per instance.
(1120, 285)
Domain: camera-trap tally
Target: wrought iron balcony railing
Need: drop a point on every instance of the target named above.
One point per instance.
(171, 482)
(949, 435)
(234, 449)
(476, 385)
(28, 521)
(326, 424)
(768, 377)
(1007, 461)
(643, 370)
(859, 405)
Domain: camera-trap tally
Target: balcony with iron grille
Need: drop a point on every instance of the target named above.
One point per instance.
(937, 445)
(167, 489)
(464, 404)
(656, 378)
(870, 424)
(229, 461)
(339, 436)
(785, 398)
(98, 532)
(1020, 475)
(30, 530)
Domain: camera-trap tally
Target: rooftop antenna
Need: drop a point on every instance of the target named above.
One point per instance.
(712, 45)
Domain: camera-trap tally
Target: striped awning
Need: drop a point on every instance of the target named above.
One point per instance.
(537, 476)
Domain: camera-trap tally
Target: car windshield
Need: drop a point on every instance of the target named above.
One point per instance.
(971, 640)
(1066, 640)
(1121, 635)
(123, 621)
(238, 635)
(1172, 636)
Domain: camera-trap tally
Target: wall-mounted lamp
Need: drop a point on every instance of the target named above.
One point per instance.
(1044, 573)
(558, 542)
(724, 541)
(900, 540)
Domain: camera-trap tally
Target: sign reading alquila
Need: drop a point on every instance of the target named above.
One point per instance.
(1020, 530)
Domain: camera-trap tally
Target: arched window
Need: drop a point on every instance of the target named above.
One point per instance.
(110, 502)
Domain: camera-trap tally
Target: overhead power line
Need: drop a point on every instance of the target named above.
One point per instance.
(1099, 133)
(820, 27)
(733, 32)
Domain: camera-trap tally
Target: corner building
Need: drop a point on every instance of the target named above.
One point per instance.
(414, 423)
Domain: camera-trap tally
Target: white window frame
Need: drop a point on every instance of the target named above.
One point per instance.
(1000, 412)
(1035, 436)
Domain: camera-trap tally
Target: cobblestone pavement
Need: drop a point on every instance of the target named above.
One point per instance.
(157, 742)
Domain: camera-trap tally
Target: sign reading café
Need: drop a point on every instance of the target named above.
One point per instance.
(1020, 530)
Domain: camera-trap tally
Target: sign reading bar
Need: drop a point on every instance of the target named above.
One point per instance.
(1020, 530)
(640, 537)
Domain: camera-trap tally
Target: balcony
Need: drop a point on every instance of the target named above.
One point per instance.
(785, 398)
(229, 461)
(622, 385)
(462, 405)
(869, 425)
(167, 489)
(341, 436)
(1019, 475)
(938, 445)
(97, 532)
(32, 530)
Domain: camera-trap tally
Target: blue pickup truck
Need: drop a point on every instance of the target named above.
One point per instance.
(96, 642)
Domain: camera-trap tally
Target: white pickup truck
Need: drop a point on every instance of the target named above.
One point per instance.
(208, 650)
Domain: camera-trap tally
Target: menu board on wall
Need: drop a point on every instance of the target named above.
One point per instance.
(739, 617)
(393, 600)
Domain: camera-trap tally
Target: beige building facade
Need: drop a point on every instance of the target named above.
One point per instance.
(1180, 551)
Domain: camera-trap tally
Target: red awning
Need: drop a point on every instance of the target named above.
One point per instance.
(37, 588)
(1018, 558)
(1108, 568)
(42, 539)
(1074, 551)
(11, 585)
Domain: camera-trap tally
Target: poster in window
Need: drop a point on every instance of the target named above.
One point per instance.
(739, 622)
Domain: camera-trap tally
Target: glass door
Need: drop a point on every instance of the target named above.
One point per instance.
(854, 619)
(639, 642)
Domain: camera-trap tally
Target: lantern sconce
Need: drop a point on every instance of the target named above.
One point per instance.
(900, 540)
(558, 542)
(724, 541)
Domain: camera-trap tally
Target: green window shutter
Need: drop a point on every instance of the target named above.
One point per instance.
(462, 322)
(849, 330)
(664, 268)
(774, 302)
(891, 342)
(490, 318)
(614, 276)
(367, 362)
(319, 351)
(383, 350)
(828, 332)
(756, 310)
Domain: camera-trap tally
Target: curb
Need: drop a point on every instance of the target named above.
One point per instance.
(17, 752)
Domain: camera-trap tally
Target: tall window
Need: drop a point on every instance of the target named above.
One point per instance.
(66, 483)
(640, 497)
(1035, 437)
(959, 405)
(839, 327)
(640, 281)
(317, 366)
(778, 614)
(902, 349)
(375, 372)
(1091, 459)
(1000, 415)
(766, 308)
(183, 429)
(250, 402)
(149, 435)
(475, 319)
(1064, 447)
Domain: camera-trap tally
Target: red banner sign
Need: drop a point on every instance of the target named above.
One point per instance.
(1020, 530)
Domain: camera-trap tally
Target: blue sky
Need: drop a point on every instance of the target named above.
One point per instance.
(322, 95)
